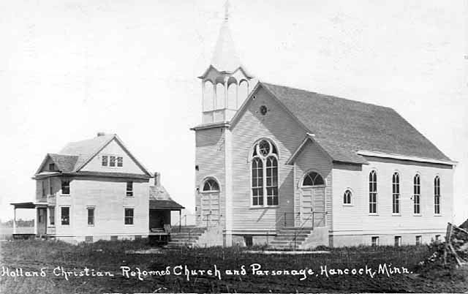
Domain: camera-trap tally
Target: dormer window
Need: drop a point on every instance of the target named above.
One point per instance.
(51, 166)
(120, 161)
(65, 187)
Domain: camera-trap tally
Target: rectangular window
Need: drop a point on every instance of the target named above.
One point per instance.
(44, 189)
(90, 216)
(375, 241)
(119, 161)
(52, 216)
(65, 187)
(112, 161)
(65, 216)
(51, 167)
(105, 159)
(129, 216)
(397, 240)
(418, 240)
(51, 188)
(129, 188)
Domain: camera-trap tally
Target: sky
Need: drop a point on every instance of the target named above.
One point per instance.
(70, 69)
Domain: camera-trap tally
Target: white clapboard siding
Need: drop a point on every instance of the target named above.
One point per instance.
(286, 134)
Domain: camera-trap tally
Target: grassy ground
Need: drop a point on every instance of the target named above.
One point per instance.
(107, 257)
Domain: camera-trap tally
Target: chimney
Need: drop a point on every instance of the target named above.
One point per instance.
(157, 179)
(100, 134)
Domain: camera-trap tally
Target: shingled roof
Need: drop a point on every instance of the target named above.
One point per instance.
(343, 127)
(77, 154)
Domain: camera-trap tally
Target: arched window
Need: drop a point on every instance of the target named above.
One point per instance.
(417, 194)
(437, 195)
(373, 192)
(220, 96)
(242, 93)
(232, 94)
(264, 174)
(210, 185)
(208, 96)
(313, 179)
(396, 193)
(347, 197)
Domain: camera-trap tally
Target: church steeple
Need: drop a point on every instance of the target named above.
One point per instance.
(225, 83)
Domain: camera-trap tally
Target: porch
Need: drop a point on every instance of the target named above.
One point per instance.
(40, 221)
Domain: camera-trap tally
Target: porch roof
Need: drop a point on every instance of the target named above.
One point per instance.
(28, 205)
(165, 205)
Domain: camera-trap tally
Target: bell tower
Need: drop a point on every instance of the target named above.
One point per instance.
(225, 83)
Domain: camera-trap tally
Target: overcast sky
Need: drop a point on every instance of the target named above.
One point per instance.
(70, 69)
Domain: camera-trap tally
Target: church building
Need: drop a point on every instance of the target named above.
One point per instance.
(291, 168)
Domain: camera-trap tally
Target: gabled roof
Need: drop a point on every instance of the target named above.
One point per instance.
(343, 127)
(75, 155)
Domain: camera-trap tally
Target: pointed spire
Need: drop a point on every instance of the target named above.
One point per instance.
(225, 56)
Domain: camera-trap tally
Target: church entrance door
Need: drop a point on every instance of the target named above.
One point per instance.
(210, 211)
(312, 207)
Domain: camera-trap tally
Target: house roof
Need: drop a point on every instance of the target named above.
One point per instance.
(343, 127)
(75, 155)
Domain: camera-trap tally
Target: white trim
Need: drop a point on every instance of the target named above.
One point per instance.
(405, 157)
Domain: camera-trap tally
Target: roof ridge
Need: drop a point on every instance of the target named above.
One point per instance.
(324, 95)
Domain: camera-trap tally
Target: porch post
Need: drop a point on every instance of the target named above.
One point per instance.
(180, 220)
(14, 220)
(35, 220)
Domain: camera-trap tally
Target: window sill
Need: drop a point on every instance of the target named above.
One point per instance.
(265, 207)
(129, 225)
(65, 195)
(438, 215)
(373, 214)
(396, 214)
(417, 215)
(348, 205)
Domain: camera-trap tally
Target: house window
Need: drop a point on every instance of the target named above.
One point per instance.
(129, 188)
(437, 195)
(119, 161)
(375, 241)
(52, 216)
(397, 240)
(347, 197)
(65, 215)
(210, 186)
(417, 195)
(105, 160)
(44, 189)
(373, 192)
(65, 187)
(112, 161)
(313, 179)
(51, 167)
(264, 174)
(396, 193)
(418, 240)
(90, 216)
(129, 216)
(51, 187)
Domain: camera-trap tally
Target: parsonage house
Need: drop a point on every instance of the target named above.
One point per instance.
(96, 189)
(293, 168)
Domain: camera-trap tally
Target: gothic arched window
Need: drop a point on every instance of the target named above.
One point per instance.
(264, 174)
(417, 194)
(396, 193)
(373, 192)
(210, 185)
(437, 195)
(313, 179)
